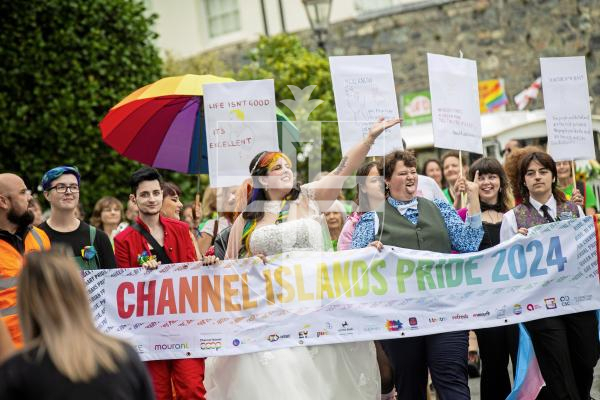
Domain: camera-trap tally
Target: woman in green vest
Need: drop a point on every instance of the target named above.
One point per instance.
(566, 347)
(414, 222)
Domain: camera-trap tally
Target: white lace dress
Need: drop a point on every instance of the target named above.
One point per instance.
(346, 371)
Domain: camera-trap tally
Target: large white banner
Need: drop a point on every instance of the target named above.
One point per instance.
(364, 90)
(567, 105)
(311, 298)
(454, 103)
(240, 123)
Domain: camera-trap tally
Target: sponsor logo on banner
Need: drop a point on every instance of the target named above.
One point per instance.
(517, 309)
(140, 349)
(501, 312)
(531, 307)
(550, 303)
(565, 301)
(275, 337)
(412, 321)
(583, 299)
(303, 334)
(346, 329)
(321, 333)
(210, 344)
(236, 342)
(481, 314)
(460, 316)
(172, 346)
(393, 325)
(435, 320)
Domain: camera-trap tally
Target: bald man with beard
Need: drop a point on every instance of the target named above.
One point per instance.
(17, 237)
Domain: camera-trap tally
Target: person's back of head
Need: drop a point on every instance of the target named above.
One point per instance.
(56, 319)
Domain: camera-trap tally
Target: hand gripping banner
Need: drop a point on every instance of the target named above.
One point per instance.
(312, 298)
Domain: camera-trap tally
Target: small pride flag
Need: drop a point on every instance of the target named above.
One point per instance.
(491, 95)
(528, 379)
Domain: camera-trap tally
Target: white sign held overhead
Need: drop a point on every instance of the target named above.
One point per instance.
(567, 104)
(454, 103)
(364, 90)
(240, 123)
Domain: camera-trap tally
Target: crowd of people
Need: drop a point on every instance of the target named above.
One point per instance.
(51, 349)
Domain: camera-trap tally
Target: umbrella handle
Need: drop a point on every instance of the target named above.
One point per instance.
(197, 208)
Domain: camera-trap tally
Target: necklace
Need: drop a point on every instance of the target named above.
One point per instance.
(492, 216)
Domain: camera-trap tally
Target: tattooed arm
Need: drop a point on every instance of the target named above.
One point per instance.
(328, 188)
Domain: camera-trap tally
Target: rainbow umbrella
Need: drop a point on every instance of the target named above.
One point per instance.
(163, 125)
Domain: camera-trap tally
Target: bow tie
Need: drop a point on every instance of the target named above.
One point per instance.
(404, 207)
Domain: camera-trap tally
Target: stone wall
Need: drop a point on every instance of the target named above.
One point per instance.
(506, 37)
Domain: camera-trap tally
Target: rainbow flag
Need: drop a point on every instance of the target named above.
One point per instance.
(491, 95)
(528, 379)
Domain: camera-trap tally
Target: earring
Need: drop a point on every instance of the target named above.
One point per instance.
(387, 187)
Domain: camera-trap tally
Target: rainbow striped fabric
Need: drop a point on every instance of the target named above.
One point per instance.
(492, 96)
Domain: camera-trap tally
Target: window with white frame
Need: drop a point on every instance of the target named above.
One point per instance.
(223, 17)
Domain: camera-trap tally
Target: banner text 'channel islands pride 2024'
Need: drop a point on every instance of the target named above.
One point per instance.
(312, 298)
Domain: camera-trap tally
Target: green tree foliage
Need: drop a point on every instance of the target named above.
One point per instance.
(202, 64)
(63, 65)
(286, 60)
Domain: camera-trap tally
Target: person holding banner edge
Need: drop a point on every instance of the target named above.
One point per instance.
(414, 222)
(496, 345)
(567, 347)
(149, 241)
(282, 216)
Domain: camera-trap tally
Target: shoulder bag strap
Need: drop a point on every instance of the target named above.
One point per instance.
(158, 249)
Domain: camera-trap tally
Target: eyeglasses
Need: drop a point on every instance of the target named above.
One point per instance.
(60, 188)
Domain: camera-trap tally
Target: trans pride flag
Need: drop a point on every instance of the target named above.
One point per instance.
(528, 379)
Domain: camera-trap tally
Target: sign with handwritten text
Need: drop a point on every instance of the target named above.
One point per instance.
(454, 103)
(567, 104)
(240, 123)
(364, 90)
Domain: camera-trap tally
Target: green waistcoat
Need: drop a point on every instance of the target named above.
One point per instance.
(429, 233)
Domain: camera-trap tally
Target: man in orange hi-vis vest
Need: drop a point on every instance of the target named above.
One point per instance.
(17, 237)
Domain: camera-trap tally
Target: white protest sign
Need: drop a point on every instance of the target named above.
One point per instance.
(363, 87)
(240, 123)
(567, 104)
(454, 103)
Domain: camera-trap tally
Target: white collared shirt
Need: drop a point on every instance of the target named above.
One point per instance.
(509, 226)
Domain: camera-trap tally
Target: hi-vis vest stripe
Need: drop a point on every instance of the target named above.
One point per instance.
(10, 266)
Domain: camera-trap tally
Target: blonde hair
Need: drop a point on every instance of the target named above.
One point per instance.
(55, 315)
(209, 202)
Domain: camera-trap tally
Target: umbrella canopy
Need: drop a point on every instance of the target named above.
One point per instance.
(163, 125)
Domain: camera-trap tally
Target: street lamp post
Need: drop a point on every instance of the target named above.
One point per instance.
(318, 12)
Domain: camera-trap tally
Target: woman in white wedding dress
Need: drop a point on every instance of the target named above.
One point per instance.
(282, 217)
